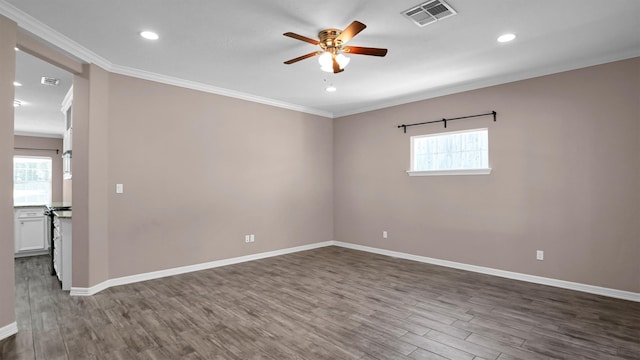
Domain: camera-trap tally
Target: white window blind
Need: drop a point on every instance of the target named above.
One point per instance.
(459, 152)
(31, 180)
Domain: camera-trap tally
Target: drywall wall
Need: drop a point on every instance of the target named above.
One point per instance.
(90, 171)
(98, 174)
(565, 154)
(7, 76)
(33, 142)
(200, 171)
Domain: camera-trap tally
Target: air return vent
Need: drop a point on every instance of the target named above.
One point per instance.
(45, 80)
(429, 12)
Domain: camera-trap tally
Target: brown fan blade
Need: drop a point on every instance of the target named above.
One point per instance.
(302, 38)
(289, 62)
(364, 50)
(351, 31)
(336, 66)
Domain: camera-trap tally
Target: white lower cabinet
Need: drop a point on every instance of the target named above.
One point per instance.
(30, 231)
(62, 250)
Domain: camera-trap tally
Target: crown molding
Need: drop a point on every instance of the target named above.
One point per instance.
(51, 36)
(44, 32)
(494, 81)
(194, 85)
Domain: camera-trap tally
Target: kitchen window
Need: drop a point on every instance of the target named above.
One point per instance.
(31, 180)
(451, 153)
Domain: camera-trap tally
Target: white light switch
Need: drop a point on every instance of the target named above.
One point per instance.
(384, 235)
(540, 255)
(119, 188)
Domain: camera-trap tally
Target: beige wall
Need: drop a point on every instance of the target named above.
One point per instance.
(44, 143)
(90, 171)
(565, 154)
(80, 184)
(7, 76)
(200, 171)
(98, 174)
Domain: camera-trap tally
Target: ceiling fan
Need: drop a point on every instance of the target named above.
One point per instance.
(332, 42)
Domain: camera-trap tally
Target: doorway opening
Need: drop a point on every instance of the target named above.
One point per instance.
(42, 176)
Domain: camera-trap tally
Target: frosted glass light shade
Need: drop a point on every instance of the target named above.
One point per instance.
(326, 61)
(342, 60)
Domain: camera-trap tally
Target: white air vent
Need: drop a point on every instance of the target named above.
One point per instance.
(429, 12)
(49, 81)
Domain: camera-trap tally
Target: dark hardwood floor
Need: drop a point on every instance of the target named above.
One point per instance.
(329, 303)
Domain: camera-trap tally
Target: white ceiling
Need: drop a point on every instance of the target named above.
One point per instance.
(40, 113)
(237, 48)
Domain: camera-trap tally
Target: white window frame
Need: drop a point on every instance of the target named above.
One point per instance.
(478, 171)
(50, 182)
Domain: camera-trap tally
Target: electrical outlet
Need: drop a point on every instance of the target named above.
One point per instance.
(252, 238)
(247, 238)
(385, 235)
(539, 255)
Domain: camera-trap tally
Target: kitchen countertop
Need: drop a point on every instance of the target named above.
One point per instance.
(63, 214)
(28, 206)
(51, 205)
(58, 204)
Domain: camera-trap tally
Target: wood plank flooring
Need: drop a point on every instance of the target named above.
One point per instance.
(328, 303)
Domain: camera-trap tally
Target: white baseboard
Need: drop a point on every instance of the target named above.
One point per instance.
(79, 291)
(8, 330)
(614, 293)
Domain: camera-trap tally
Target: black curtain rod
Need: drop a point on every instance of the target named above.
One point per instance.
(21, 148)
(404, 127)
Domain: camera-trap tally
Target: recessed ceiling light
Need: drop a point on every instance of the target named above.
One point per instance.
(17, 103)
(331, 88)
(506, 38)
(149, 35)
(15, 83)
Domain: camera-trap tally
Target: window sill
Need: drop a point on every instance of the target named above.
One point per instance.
(486, 171)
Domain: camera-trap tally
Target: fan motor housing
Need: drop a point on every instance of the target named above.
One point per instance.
(327, 38)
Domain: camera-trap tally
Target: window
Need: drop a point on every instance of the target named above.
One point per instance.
(31, 180)
(452, 153)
